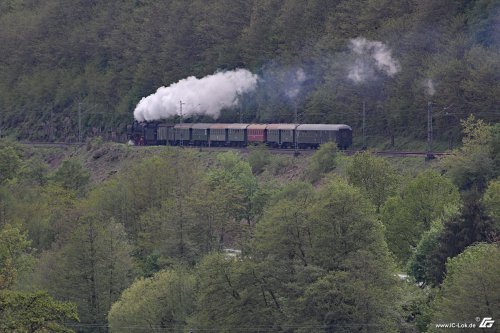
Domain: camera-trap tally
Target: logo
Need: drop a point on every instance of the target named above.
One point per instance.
(487, 322)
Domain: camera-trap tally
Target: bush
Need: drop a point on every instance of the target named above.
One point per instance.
(9, 164)
(72, 175)
(323, 161)
(278, 163)
(258, 158)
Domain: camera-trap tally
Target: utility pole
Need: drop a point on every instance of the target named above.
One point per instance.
(296, 143)
(364, 126)
(80, 122)
(51, 130)
(430, 156)
(181, 141)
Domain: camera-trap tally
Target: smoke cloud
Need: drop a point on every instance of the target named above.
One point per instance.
(205, 96)
(296, 81)
(371, 57)
(429, 86)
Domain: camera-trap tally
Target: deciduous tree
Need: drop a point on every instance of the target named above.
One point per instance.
(9, 163)
(34, 313)
(91, 269)
(424, 199)
(374, 175)
(161, 302)
(470, 289)
(15, 256)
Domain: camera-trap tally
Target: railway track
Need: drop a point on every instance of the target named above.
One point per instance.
(286, 151)
(290, 151)
(406, 154)
(51, 144)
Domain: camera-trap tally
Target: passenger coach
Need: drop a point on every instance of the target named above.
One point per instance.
(313, 135)
(240, 135)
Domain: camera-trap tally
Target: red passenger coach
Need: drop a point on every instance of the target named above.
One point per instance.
(256, 133)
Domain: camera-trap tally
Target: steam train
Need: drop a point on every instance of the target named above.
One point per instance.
(239, 135)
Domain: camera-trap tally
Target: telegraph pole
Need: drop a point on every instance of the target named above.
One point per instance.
(80, 122)
(181, 142)
(296, 143)
(51, 130)
(430, 156)
(364, 126)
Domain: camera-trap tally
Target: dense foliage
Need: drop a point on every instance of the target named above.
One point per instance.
(213, 241)
(466, 291)
(99, 58)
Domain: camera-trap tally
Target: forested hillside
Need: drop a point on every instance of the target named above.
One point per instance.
(180, 240)
(100, 57)
(109, 238)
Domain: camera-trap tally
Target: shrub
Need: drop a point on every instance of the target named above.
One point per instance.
(258, 158)
(323, 161)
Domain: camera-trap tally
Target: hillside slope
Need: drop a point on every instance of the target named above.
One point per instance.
(60, 58)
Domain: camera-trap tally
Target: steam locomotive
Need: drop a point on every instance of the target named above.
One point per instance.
(239, 135)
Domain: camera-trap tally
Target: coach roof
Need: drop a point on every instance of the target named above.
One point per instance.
(257, 126)
(322, 127)
(201, 126)
(237, 126)
(218, 126)
(281, 126)
(183, 126)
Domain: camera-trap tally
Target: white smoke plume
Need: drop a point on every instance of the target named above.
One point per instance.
(430, 88)
(298, 78)
(207, 96)
(371, 56)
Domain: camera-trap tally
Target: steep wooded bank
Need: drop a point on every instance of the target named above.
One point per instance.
(182, 240)
(58, 57)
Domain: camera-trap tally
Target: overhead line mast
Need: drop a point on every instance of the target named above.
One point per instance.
(181, 141)
(430, 156)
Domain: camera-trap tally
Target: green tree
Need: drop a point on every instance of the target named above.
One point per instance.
(35, 171)
(474, 164)
(426, 198)
(491, 201)
(459, 231)
(9, 163)
(91, 269)
(145, 185)
(283, 231)
(57, 210)
(218, 208)
(71, 175)
(258, 158)
(344, 223)
(7, 204)
(323, 161)
(34, 313)
(168, 231)
(374, 175)
(359, 298)
(471, 287)
(21, 311)
(232, 295)
(319, 252)
(423, 265)
(235, 174)
(15, 255)
(161, 302)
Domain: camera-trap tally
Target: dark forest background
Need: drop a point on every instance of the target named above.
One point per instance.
(100, 57)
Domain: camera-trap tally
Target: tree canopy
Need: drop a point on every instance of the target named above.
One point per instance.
(466, 290)
(102, 58)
